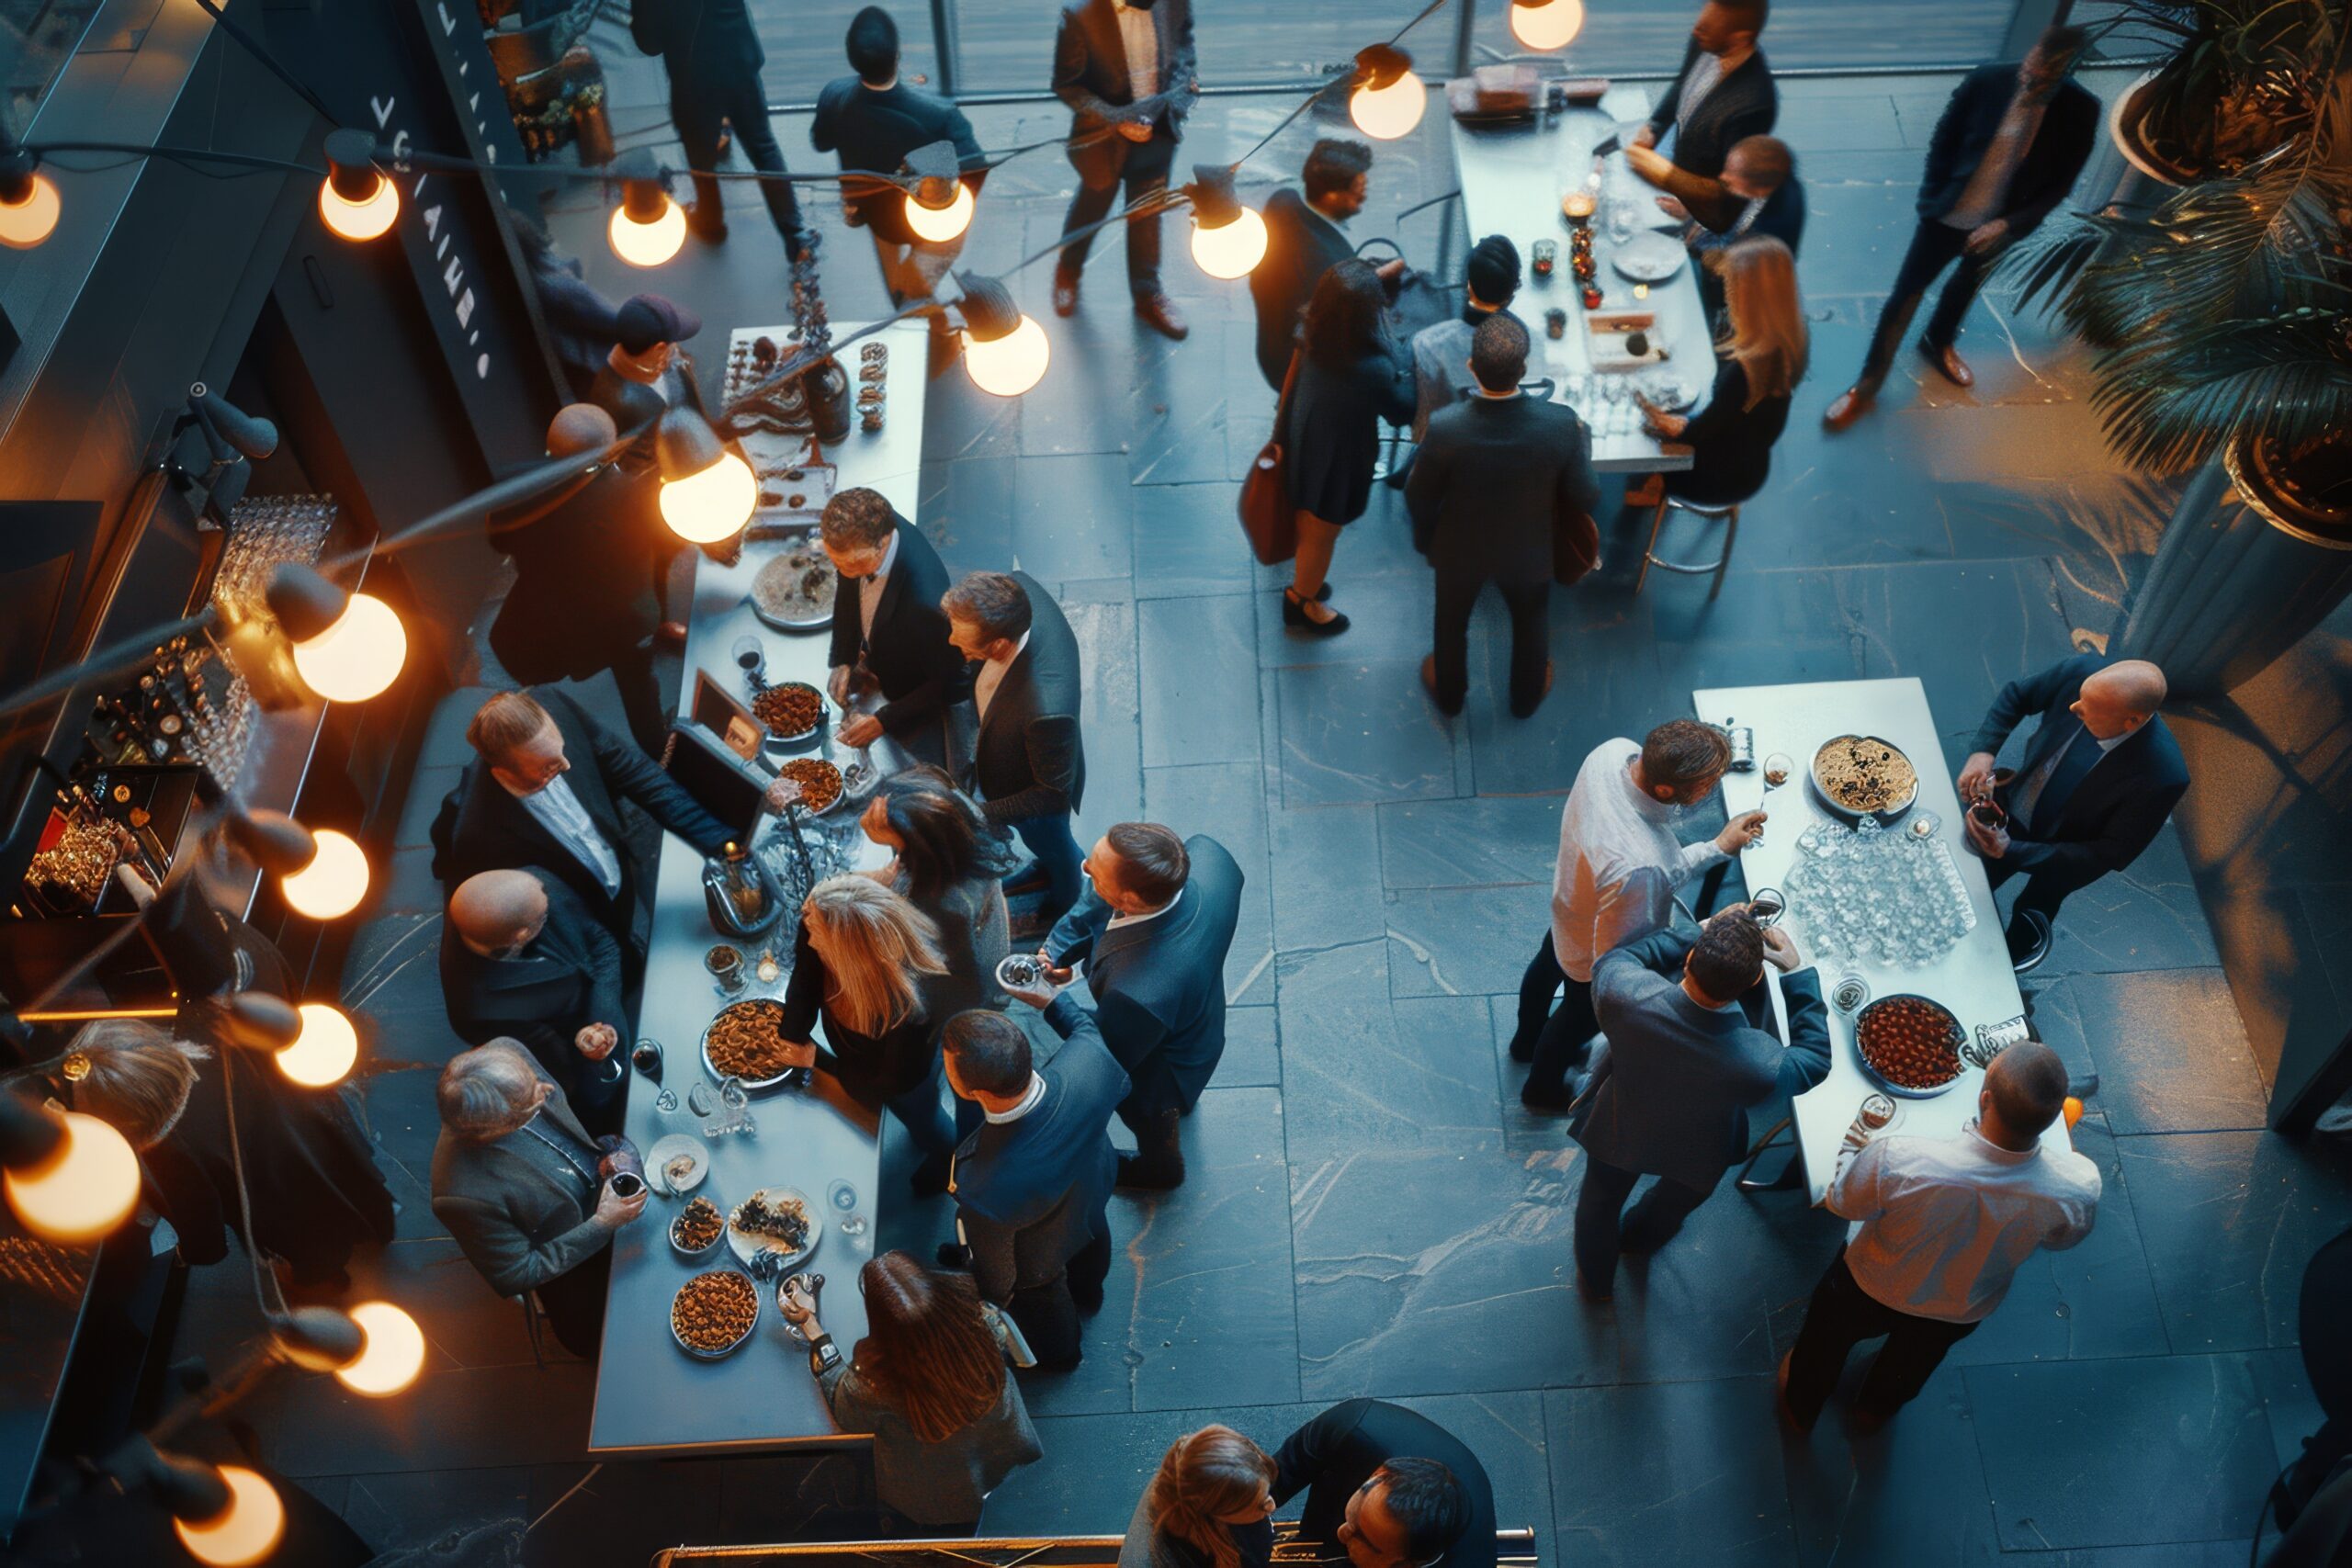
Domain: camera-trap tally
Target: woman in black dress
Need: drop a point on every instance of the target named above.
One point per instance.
(949, 863)
(1211, 1505)
(1352, 374)
(1757, 365)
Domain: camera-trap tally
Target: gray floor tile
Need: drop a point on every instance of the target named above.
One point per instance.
(1227, 802)
(1325, 877)
(1253, 1057)
(1073, 519)
(1668, 1473)
(1200, 681)
(1361, 733)
(1363, 1072)
(1911, 1492)
(1484, 840)
(2171, 1054)
(2145, 916)
(1187, 542)
(1462, 940)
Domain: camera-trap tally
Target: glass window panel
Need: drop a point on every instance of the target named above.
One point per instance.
(37, 36)
(1649, 37)
(1008, 45)
(803, 41)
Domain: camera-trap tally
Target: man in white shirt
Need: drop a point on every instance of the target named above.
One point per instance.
(1619, 863)
(1940, 1226)
(1442, 350)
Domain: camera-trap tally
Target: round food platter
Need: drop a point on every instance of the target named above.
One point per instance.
(1854, 776)
(690, 1153)
(709, 1213)
(792, 699)
(750, 1012)
(793, 591)
(816, 776)
(721, 1294)
(748, 1245)
(1907, 1022)
(1650, 257)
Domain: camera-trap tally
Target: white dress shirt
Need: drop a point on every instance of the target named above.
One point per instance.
(869, 592)
(557, 809)
(1619, 862)
(1142, 44)
(1942, 1225)
(991, 676)
(1027, 1102)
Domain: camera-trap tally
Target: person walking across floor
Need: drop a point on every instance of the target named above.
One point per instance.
(1619, 862)
(2099, 777)
(890, 648)
(1032, 1183)
(2004, 155)
(1352, 374)
(1441, 350)
(1669, 1090)
(1723, 94)
(873, 120)
(1127, 70)
(1304, 240)
(1759, 363)
(1939, 1227)
(1502, 492)
(1210, 1504)
(1388, 1487)
(929, 1381)
(522, 958)
(711, 53)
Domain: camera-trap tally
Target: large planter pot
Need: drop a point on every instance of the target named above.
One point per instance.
(2124, 130)
(2249, 564)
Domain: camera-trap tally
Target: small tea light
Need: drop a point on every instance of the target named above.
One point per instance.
(1641, 291)
(769, 969)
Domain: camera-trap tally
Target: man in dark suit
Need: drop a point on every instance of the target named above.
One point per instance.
(1758, 195)
(873, 120)
(522, 959)
(1033, 1184)
(519, 1183)
(1153, 930)
(1722, 94)
(1304, 240)
(1502, 492)
(2098, 780)
(712, 54)
(1127, 70)
(521, 802)
(1669, 1089)
(1390, 1487)
(889, 634)
(1029, 759)
(2004, 155)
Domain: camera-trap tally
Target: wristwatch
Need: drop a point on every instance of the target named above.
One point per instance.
(823, 1357)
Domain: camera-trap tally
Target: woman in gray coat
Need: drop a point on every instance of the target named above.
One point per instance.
(929, 1381)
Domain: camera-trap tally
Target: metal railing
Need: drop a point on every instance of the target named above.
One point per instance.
(1514, 1548)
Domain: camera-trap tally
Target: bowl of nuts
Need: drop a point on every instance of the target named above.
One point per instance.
(712, 1313)
(697, 1229)
(820, 782)
(1909, 1046)
(746, 1041)
(793, 710)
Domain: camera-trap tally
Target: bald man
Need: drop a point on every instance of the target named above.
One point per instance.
(522, 957)
(2093, 789)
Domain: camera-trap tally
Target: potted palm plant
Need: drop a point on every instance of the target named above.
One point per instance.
(2240, 79)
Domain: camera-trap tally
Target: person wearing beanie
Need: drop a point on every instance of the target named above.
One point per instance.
(646, 374)
(1442, 352)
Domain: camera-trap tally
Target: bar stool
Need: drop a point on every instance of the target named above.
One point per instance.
(1770, 1140)
(1729, 513)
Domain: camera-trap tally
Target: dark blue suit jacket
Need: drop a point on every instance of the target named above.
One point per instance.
(1158, 987)
(874, 131)
(2061, 146)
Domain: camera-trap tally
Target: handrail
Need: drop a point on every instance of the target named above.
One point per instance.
(1514, 1548)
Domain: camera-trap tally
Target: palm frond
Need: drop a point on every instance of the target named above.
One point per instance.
(2171, 401)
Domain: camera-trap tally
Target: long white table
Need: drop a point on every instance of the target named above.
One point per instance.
(1973, 979)
(1512, 179)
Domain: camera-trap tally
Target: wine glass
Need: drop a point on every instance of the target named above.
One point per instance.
(751, 657)
(1777, 769)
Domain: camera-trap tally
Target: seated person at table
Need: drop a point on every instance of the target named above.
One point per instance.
(523, 802)
(1670, 1086)
(1210, 1504)
(1441, 350)
(2097, 782)
(1153, 929)
(863, 960)
(1759, 363)
(515, 1179)
(1758, 196)
(1722, 94)
(1033, 1185)
(889, 637)
(522, 959)
(1388, 1488)
(1304, 240)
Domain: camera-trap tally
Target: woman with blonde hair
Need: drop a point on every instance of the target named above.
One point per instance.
(867, 962)
(1211, 1505)
(1759, 363)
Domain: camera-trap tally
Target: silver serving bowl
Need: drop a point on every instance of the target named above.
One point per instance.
(733, 1346)
(1887, 814)
(1903, 1091)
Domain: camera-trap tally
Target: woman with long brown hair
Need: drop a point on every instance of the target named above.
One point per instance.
(1759, 363)
(929, 1382)
(947, 861)
(1211, 1505)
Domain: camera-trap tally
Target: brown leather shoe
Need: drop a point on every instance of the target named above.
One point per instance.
(1846, 407)
(1160, 314)
(1064, 294)
(1949, 363)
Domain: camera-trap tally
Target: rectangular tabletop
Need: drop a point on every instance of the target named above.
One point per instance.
(1973, 979)
(1512, 179)
(651, 1396)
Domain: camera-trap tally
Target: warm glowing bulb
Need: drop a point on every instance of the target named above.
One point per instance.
(941, 225)
(332, 884)
(24, 224)
(245, 1531)
(1386, 113)
(358, 656)
(1547, 24)
(359, 220)
(1011, 365)
(1230, 249)
(713, 505)
(84, 1188)
(648, 244)
(325, 1049)
(392, 1356)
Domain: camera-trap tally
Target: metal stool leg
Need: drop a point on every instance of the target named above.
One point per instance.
(531, 1327)
(1731, 534)
(1649, 550)
(1786, 1124)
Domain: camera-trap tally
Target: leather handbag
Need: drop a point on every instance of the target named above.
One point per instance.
(1268, 518)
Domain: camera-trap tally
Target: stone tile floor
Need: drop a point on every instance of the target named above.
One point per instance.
(1370, 1211)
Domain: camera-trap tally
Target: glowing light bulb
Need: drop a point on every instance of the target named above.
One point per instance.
(1011, 365)
(24, 224)
(323, 1053)
(365, 219)
(651, 241)
(1547, 24)
(1230, 249)
(245, 1531)
(393, 1355)
(334, 882)
(940, 224)
(358, 656)
(84, 1188)
(711, 506)
(1386, 113)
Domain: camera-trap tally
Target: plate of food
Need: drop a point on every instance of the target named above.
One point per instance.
(793, 710)
(778, 1220)
(713, 1313)
(794, 591)
(746, 1041)
(1648, 257)
(678, 1161)
(1863, 775)
(820, 782)
(1909, 1046)
(696, 1230)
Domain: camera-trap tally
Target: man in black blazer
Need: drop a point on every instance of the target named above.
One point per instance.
(1722, 94)
(712, 55)
(1029, 759)
(889, 634)
(1127, 70)
(522, 959)
(1304, 240)
(1153, 929)
(873, 120)
(2097, 782)
(1502, 492)
(1669, 1089)
(544, 790)
(1388, 1486)
(1032, 1183)
(2003, 157)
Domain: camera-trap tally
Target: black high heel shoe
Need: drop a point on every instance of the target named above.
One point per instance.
(1294, 615)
